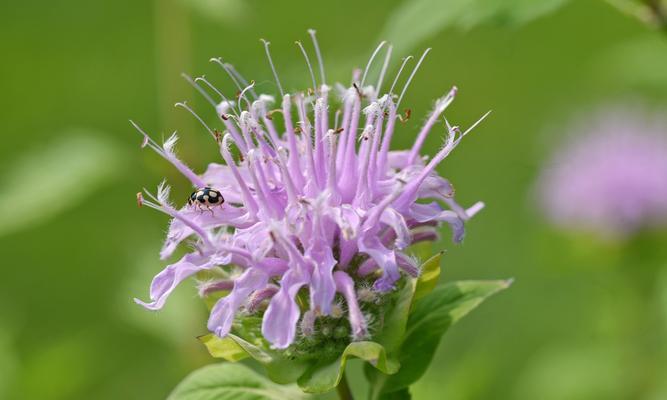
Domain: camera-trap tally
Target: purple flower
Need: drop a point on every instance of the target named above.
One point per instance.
(316, 207)
(611, 176)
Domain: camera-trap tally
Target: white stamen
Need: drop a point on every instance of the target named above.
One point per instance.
(225, 66)
(241, 79)
(242, 95)
(414, 71)
(184, 105)
(224, 98)
(310, 67)
(273, 68)
(384, 69)
(400, 70)
(198, 88)
(370, 61)
(312, 33)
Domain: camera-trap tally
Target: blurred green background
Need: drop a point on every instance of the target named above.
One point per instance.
(584, 319)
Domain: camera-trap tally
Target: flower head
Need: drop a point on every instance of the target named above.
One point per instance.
(611, 177)
(317, 209)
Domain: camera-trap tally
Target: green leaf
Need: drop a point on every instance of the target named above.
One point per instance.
(231, 382)
(321, 378)
(278, 368)
(429, 320)
(70, 170)
(402, 394)
(430, 274)
(396, 319)
(414, 21)
(225, 348)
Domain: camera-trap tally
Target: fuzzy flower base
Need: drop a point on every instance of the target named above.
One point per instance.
(311, 242)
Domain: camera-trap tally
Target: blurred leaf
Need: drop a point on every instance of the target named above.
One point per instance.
(321, 378)
(225, 348)
(402, 394)
(49, 180)
(9, 360)
(414, 21)
(429, 320)
(233, 382)
(228, 11)
(639, 62)
(578, 371)
(651, 12)
(430, 274)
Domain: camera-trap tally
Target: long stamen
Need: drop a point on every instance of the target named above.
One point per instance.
(312, 33)
(414, 71)
(400, 70)
(241, 79)
(273, 68)
(440, 107)
(370, 62)
(385, 65)
(451, 142)
(228, 69)
(222, 96)
(310, 67)
(167, 208)
(168, 154)
(242, 95)
(199, 89)
(248, 200)
(183, 104)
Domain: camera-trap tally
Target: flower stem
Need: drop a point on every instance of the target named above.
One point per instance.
(343, 389)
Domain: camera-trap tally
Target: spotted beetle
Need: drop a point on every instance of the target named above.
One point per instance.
(206, 197)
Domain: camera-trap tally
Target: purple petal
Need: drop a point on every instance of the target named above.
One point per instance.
(385, 258)
(433, 212)
(222, 314)
(167, 280)
(345, 285)
(280, 319)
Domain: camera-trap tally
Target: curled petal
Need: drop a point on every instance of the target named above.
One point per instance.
(433, 212)
(167, 280)
(385, 258)
(280, 319)
(397, 223)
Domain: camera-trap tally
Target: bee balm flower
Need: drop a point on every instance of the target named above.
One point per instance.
(611, 178)
(318, 212)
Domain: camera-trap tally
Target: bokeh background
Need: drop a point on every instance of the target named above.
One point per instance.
(585, 319)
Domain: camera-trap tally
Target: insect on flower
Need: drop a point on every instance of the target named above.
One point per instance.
(206, 197)
(318, 207)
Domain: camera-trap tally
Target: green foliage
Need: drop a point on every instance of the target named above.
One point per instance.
(225, 348)
(417, 20)
(428, 279)
(231, 381)
(322, 378)
(428, 321)
(417, 317)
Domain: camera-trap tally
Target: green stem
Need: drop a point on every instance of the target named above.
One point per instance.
(343, 389)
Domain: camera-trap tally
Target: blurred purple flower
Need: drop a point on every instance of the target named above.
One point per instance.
(611, 176)
(307, 203)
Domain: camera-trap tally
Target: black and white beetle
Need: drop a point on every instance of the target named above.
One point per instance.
(206, 197)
